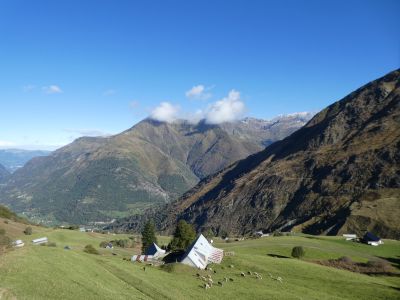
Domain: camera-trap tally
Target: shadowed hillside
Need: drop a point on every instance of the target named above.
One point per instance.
(338, 173)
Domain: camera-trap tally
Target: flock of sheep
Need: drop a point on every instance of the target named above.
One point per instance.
(208, 281)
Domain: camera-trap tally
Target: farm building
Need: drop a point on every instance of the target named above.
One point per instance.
(261, 234)
(143, 258)
(371, 239)
(155, 251)
(201, 253)
(18, 243)
(350, 236)
(39, 241)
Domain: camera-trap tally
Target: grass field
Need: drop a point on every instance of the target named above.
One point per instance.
(40, 272)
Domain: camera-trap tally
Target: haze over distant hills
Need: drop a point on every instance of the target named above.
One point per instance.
(339, 173)
(12, 159)
(3, 173)
(98, 178)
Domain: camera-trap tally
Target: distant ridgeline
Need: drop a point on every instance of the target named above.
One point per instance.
(13, 159)
(101, 178)
(338, 174)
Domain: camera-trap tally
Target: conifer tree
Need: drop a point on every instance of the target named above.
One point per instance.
(184, 235)
(148, 236)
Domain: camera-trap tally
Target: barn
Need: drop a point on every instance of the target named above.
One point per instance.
(155, 251)
(18, 243)
(201, 253)
(371, 239)
(39, 241)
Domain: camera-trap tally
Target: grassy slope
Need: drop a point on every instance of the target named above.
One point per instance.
(36, 272)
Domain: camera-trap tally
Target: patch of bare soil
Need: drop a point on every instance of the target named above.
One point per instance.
(372, 267)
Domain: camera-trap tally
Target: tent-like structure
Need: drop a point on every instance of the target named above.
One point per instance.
(371, 239)
(155, 251)
(201, 253)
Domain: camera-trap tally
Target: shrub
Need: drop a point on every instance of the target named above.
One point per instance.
(28, 230)
(377, 266)
(73, 227)
(345, 259)
(5, 241)
(223, 234)
(208, 233)
(90, 249)
(52, 244)
(298, 252)
(103, 244)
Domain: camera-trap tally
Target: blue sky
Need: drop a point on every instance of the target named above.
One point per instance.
(71, 68)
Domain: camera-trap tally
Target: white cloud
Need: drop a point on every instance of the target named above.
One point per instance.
(6, 144)
(52, 89)
(165, 112)
(88, 132)
(228, 109)
(198, 92)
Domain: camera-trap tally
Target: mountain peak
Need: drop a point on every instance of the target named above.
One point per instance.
(333, 175)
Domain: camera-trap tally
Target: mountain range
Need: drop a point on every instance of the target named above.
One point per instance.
(340, 173)
(100, 178)
(12, 159)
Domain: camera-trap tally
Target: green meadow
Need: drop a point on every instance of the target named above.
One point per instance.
(42, 272)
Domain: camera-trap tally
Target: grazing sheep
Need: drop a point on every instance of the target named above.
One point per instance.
(279, 279)
(242, 274)
(259, 276)
(220, 283)
(144, 268)
(206, 286)
(250, 273)
(230, 266)
(208, 276)
(210, 281)
(226, 279)
(209, 269)
(203, 278)
(231, 279)
(215, 272)
(270, 275)
(197, 274)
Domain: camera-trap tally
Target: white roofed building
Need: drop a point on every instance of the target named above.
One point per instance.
(155, 251)
(42, 240)
(201, 253)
